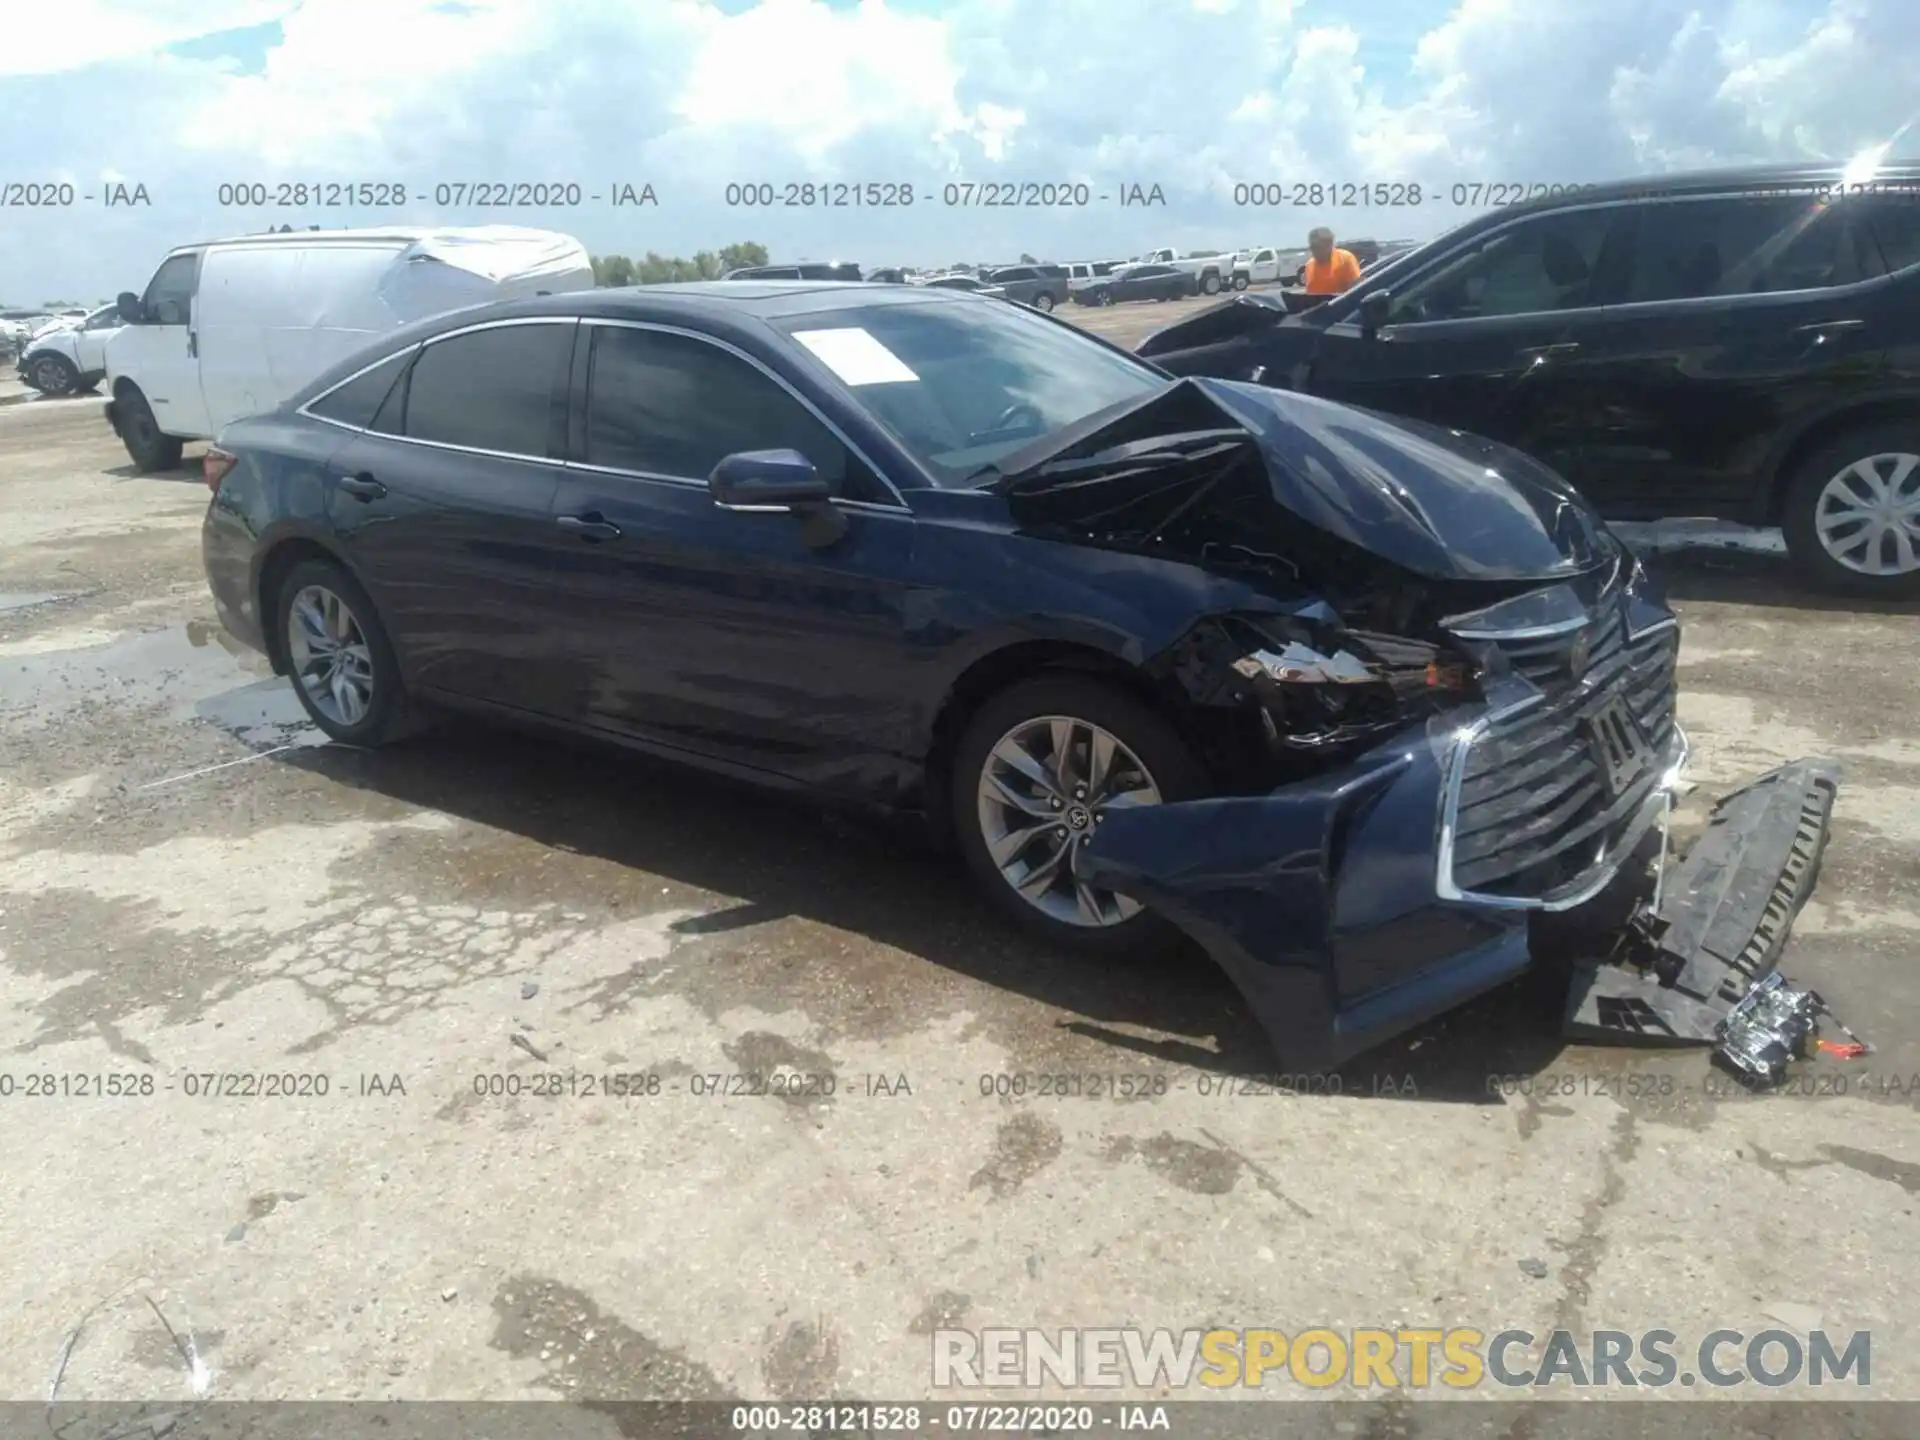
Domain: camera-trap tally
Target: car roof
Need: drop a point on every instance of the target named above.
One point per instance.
(741, 310)
(1802, 174)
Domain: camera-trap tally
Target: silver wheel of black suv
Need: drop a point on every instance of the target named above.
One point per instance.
(1037, 768)
(1851, 513)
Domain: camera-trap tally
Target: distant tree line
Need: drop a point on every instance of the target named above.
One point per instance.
(654, 268)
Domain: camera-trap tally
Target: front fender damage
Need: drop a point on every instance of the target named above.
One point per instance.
(1290, 891)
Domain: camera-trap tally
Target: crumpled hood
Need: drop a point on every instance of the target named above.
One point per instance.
(1441, 504)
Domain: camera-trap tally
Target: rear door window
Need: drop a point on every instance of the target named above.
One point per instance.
(357, 402)
(1894, 220)
(1742, 245)
(490, 389)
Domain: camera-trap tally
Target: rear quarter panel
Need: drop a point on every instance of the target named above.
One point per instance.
(276, 493)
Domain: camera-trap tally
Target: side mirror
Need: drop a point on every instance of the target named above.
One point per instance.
(767, 480)
(129, 308)
(1374, 310)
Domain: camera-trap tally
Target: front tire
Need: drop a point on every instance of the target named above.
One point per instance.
(338, 655)
(1851, 513)
(1210, 284)
(151, 451)
(1240, 282)
(1036, 768)
(53, 375)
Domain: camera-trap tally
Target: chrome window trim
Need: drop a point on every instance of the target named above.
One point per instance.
(418, 345)
(307, 413)
(690, 482)
(1636, 203)
(833, 429)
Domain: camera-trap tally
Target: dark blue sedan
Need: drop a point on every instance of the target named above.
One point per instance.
(1346, 698)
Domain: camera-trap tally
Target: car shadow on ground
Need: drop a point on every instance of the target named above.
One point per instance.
(883, 880)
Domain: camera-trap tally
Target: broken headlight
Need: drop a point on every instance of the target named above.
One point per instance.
(1322, 686)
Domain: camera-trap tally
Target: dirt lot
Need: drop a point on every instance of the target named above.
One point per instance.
(190, 884)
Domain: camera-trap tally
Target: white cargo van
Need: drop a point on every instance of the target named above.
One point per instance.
(229, 328)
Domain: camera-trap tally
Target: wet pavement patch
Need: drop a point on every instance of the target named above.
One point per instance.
(802, 1361)
(1202, 1169)
(587, 1354)
(1023, 1146)
(943, 1311)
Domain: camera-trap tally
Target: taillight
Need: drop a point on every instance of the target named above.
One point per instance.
(215, 465)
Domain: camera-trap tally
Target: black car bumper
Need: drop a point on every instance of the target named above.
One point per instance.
(227, 549)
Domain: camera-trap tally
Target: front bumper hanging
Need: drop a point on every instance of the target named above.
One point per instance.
(1718, 919)
(1319, 901)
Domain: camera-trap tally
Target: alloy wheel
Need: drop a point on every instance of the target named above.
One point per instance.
(331, 658)
(49, 377)
(1868, 515)
(1045, 787)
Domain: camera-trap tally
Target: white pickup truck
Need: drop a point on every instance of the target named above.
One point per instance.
(1211, 273)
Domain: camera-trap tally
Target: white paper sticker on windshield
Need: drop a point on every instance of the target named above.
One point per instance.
(855, 356)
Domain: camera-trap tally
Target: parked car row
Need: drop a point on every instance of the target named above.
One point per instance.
(1130, 641)
(1740, 345)
(69, 358)
(1138, 282)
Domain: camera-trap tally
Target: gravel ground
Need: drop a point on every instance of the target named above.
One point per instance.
(191, 883)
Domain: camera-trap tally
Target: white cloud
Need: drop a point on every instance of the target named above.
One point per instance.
(51, 39)
(1192, 97)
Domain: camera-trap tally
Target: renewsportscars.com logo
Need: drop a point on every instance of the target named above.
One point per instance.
(1398, 1358)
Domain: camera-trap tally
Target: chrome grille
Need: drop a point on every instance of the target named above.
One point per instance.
(1532, 816)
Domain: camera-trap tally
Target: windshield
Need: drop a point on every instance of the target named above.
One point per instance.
(962, 384)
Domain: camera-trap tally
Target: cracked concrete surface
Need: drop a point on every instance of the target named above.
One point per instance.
(397, 1199)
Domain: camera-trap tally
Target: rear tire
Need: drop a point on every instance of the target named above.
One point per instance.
(1043, 302)
(1146, 749)
(53, 375)
(340, 661)
(1851, 512)
(151, 451)
(1210, 284)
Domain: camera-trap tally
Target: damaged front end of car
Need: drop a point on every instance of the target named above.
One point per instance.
(1455, 725)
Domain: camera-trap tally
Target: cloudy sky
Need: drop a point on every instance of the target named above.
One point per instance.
(1195, 96)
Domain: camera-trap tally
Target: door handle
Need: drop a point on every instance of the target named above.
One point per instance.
(589, 527)
(1551, 352)
(362, 487)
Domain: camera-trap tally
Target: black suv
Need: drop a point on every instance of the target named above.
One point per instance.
(1742, 345)
(1041, 286)
(812, 270)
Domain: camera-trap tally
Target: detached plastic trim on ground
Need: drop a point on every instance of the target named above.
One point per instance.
(1722, 918)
